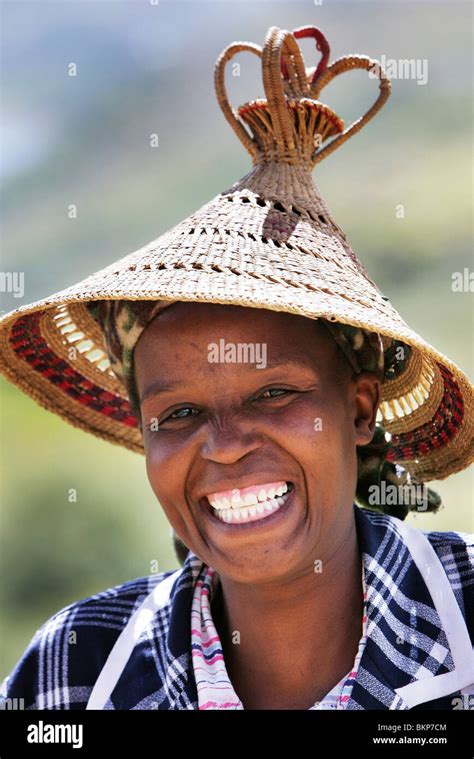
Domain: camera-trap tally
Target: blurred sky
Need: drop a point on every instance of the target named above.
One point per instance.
(85, 140)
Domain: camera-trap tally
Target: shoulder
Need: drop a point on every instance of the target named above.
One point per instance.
(460, 543)
(455, 550)
(61, 663)
(385, 537)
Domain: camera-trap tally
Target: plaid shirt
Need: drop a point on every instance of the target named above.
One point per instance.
(129, 647)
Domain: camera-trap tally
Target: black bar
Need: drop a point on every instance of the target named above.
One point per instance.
(159, 733)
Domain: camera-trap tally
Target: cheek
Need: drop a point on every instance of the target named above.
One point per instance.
(318, 426)
(335, 462)
(166, 470)
(319, 436)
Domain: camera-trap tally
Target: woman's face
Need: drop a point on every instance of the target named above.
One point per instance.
(284, 413)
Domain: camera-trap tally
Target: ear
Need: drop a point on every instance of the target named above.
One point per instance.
(366, 403)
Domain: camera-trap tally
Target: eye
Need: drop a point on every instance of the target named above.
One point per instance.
(180, 413)
(280, 390)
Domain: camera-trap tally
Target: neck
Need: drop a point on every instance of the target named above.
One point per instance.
(287, 644)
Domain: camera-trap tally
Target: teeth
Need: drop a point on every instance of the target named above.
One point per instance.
(245, 513)
(216, 504)
(241, 503)
(250, 499)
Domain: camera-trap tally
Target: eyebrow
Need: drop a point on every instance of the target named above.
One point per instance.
(158, 387)
(164, 386)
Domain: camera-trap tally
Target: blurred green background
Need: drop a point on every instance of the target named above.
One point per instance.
(85, 140)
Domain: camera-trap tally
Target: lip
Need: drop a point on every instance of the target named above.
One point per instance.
(269, 521)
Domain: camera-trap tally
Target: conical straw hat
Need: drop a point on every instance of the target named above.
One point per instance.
(268, 241)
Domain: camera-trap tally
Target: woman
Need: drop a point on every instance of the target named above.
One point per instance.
(288, 417)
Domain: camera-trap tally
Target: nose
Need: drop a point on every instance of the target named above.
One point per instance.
(227, 443)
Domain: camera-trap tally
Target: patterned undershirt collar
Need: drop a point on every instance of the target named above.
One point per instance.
(214, 688)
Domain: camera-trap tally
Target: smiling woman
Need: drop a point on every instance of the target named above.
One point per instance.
(285, 411)
(257, 493)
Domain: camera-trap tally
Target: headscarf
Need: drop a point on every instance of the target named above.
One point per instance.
(123, 321)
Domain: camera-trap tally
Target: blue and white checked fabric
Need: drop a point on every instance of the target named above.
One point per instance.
(414, 656)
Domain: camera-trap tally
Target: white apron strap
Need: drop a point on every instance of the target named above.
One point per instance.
(126, 641)
(429, 688)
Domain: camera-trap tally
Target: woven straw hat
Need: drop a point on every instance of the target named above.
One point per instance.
(268, 241)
